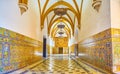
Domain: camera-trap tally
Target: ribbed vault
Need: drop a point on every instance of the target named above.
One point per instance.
(72, 15)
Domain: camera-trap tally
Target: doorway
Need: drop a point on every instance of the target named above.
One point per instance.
(60, 50)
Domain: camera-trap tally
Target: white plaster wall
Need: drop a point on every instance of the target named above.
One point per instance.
(27, 24)
(93, 22)
(115, 13)
(74, 38)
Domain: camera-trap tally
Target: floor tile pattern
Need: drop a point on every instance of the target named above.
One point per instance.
(59, 65)
(92, 69)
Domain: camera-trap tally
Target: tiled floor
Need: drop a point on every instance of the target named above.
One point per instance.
(60, 65)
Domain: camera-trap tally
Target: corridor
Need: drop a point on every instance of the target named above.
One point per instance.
(59, 36)
(60, 64)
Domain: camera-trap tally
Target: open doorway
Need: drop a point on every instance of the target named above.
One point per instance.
(60, 50)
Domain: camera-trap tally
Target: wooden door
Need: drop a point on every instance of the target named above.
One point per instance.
(60, 50)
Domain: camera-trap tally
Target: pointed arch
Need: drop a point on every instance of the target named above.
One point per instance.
(70, 7)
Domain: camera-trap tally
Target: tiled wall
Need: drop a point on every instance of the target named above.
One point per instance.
(55, 50)
(72, 49)
(16, 50)
(97, 50)
(116, 49)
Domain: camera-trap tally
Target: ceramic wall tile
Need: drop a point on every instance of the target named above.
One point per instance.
(16, 50)
(97, 50)
(61, 42)
(116, 49)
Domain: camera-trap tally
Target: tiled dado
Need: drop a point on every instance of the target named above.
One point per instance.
(16, 50)
(116, 49)
(97, 50)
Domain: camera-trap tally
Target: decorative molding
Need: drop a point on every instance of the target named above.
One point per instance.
(97, 4)
(23, 5)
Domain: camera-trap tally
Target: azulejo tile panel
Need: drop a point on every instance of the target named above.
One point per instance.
(61, 42)
(16, 50)
(116, 49)
(97, 50)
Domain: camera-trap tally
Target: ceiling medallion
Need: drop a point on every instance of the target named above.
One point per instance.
(96, 4)
(60, 11)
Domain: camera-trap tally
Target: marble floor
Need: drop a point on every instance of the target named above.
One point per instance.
(59, 65)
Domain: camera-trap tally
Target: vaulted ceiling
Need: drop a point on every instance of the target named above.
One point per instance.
(56, 12)
(70, 18)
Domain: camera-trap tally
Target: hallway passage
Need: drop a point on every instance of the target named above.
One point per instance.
(60, 65)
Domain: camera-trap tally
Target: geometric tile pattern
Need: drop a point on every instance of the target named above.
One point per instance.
(97, 50)
(91, 68)
(60, 65)
(116, 49)
(16, 50)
